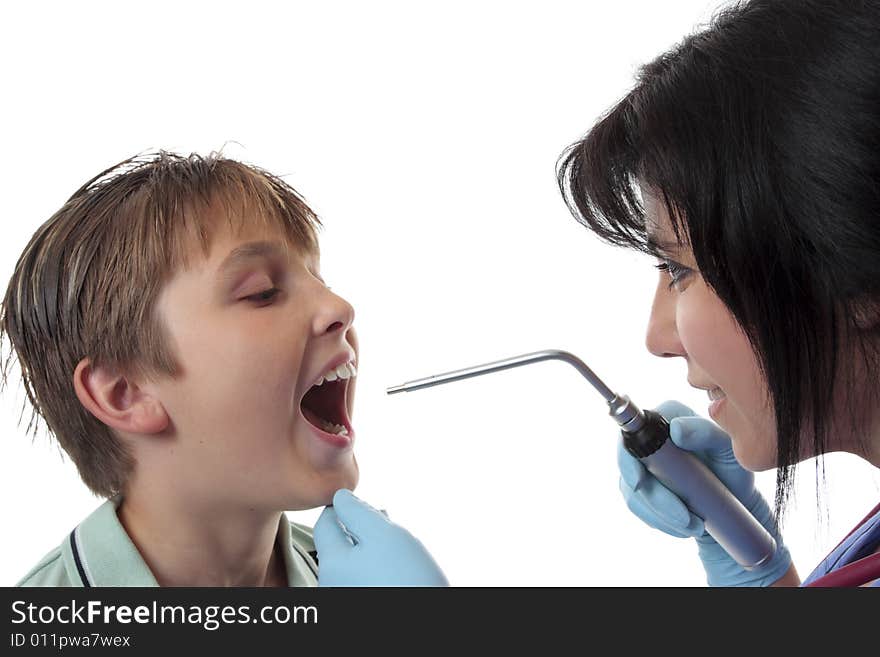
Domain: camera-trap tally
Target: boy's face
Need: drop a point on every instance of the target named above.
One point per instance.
(253, 329)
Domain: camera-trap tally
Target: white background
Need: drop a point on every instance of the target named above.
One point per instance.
(426, 138)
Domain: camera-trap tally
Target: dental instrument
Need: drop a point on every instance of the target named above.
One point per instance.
(646, 436)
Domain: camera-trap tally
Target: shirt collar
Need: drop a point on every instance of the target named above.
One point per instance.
(99, 552)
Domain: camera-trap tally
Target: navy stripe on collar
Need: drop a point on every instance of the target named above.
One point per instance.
(78, 561)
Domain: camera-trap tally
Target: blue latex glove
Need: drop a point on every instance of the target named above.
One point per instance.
(662, 509)
(370, 550)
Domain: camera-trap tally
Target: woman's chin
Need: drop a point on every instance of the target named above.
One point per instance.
(752, 461)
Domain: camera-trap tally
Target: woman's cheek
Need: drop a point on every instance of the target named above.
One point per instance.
(694, 331)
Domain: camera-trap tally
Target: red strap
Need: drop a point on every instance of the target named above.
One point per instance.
(856, 573)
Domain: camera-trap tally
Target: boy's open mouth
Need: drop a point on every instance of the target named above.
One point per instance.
(324, 405)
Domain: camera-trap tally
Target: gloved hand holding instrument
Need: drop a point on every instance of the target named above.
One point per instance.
(679, 492)
(659, 507)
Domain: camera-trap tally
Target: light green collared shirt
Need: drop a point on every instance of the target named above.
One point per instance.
(99, 552)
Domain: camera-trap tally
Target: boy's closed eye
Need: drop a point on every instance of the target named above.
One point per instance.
(264, 297)
(257, 287)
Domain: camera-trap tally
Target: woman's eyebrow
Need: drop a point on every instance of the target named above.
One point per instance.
(658, 246)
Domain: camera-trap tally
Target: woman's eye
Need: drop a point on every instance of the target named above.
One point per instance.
(263, 297)
(677, 272)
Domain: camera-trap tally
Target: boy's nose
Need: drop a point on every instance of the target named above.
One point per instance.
(334, 314)
(662, 335)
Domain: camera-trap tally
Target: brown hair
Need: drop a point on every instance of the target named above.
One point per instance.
(87, 282)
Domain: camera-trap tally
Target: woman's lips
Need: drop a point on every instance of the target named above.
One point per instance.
(717, 397)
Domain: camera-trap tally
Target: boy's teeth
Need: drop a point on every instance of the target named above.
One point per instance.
(344, 371)
(338, 429)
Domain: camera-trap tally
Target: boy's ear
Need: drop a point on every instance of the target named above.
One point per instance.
(117, 401)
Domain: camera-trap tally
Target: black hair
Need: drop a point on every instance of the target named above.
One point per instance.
(762, 134)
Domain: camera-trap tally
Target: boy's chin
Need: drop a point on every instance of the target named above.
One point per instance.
(347, 478)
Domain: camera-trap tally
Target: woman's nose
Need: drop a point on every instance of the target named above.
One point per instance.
(662, 336)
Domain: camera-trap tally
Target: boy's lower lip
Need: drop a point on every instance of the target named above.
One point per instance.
(332, 438)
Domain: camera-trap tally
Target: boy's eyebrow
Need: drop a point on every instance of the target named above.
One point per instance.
(249, 251)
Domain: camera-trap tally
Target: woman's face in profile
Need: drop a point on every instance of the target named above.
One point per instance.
(689, 320)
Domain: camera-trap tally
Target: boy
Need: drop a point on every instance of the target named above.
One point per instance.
(176, 336)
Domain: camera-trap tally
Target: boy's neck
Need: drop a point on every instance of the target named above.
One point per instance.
(190, 547)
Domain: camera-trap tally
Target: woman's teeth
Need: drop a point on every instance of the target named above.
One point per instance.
(716, 394)
(338, 429)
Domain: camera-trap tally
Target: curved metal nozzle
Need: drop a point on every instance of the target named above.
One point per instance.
(621, 408)
(506, 364)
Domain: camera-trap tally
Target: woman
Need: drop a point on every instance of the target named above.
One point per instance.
(747, 160)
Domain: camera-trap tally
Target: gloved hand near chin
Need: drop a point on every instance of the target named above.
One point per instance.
(662, 509)
(379, 552)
